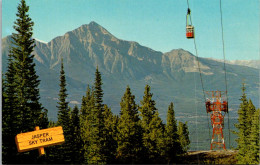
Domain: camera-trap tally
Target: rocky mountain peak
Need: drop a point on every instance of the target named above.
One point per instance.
(93, 33)
(94, 24)
(180, 53)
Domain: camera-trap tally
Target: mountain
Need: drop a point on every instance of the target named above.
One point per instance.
(173, 76)
(249, 63)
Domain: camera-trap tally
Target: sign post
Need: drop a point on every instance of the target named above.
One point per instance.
(39, 139)
(41, 149)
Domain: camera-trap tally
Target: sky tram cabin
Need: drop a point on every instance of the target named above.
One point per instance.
(189, 31)
(189, 27)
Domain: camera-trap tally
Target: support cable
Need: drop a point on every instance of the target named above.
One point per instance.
(202, 85)
(223, 46)
(194, 84)
(197, 58)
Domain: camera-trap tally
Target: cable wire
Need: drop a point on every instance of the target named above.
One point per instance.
(223, 46)
(195, 88)
(188, 3)
(202, 85)
(197, 59)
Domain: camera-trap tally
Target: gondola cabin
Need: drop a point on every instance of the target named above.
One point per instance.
(189, 31)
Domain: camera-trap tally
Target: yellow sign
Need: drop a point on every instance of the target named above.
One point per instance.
(39, 138)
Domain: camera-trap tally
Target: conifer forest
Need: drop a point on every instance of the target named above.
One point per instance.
(93, 134)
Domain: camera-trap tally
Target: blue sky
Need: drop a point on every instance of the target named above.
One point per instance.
(158, 24)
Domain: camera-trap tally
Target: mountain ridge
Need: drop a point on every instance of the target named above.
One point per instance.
(173, 76)
(91, 45)
(89, 31)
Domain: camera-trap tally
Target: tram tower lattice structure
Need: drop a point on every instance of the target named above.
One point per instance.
(217, 106)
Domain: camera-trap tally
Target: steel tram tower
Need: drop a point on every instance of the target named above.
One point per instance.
(217, 106)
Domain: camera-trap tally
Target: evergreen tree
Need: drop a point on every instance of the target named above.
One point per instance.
(172, 143)
(52, 152)
(21, 109)
(152, 126)
(250, 113)
(157, 129)
(26, 79)
(98, 93)
(44, 121)
(96, 149)
(86, 114)
(11, 117)
(254, 152)
(248, 131)
(51, 124)
(64, 153)
(76, 139)
(86, 103)
(129, 135)
(110, 145)
(243, 129)
(183, 133)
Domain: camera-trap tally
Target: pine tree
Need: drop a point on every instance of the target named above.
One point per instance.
(43, 119)
(172, 143)
(76, 139)
(21, 109)
(152, 126)
(98, 92)
(86, 114)
(250, 112)
(51, 124)
(26, 78)
(11, 117)
(243, 129)
(96, 149)
(52, 152)
(157, 129)
(110, 145)
(129, 136)
(254, 152)
(86, 103)
(183, 133)
(64, 119)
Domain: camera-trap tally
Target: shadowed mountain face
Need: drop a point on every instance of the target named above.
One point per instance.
(173, 76)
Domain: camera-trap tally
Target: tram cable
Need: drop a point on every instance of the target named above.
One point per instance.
(223, 46)
(197, 59)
